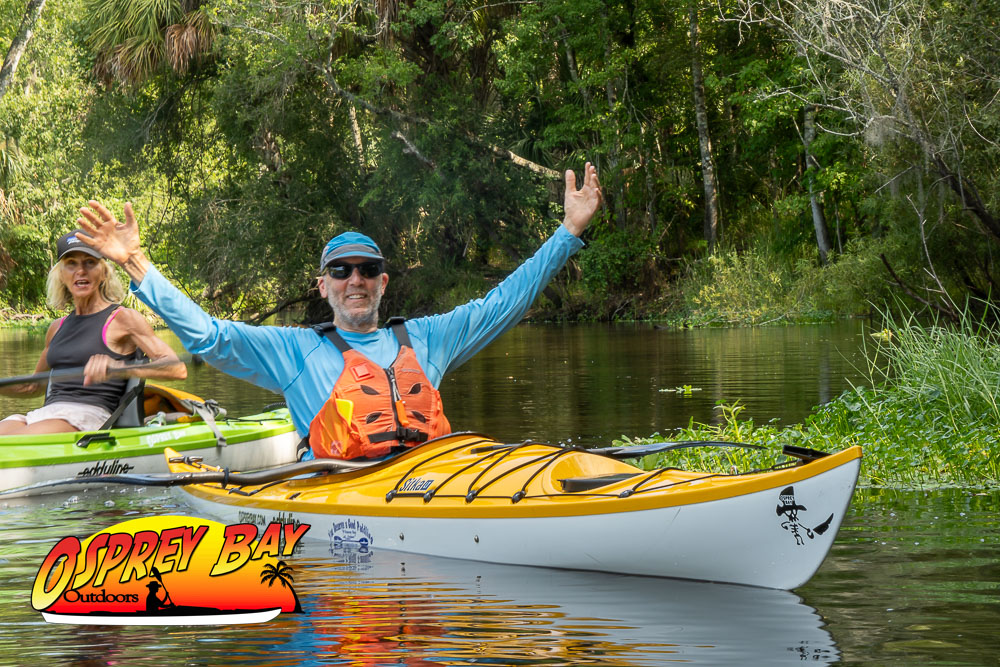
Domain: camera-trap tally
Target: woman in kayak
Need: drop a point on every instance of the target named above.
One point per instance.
(98, 335)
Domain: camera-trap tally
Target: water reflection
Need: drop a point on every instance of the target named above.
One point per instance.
(419, 610)
(595, 382)
(393, 609)
(914, 578)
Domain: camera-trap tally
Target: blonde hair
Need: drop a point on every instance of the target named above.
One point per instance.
(58, 295)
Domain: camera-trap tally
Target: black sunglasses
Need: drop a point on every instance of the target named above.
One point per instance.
(343, 270)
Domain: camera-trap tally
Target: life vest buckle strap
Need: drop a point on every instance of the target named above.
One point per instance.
(413, 435)
(401, 434)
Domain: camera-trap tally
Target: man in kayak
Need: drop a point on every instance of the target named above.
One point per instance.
(153, 601)
(354, 389)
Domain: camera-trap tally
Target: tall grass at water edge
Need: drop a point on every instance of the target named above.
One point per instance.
(930, 417)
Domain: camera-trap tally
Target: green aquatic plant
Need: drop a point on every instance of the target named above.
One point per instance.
(952, 372)
(714, 459)
(684, 390)
(903, 448)
(931, 416)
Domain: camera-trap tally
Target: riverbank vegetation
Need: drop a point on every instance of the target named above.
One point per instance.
(930, 416)
(761, 161)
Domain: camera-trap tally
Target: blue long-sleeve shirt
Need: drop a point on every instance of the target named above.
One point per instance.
(304, 366)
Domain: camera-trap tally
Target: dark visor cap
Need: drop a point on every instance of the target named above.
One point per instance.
(68, 243)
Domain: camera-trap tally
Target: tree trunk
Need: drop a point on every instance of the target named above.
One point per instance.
(20, 43)
(704, 138)
(646, 163)
(867, 40)
(961, 185)
(359, 145)
(819, 219)
(403, 119)
(574, 74)
(611, 88)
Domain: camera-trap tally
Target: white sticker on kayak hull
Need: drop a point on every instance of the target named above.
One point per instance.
(350, 541)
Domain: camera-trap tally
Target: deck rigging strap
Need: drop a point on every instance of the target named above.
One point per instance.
(473, 492)
(547, 458)
(395, 490)
(208, 411)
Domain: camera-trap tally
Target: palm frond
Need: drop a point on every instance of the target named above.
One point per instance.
(131, 39)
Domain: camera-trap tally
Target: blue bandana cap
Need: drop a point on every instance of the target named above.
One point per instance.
(349, 244)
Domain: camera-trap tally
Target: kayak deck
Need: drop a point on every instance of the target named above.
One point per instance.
(469, 475)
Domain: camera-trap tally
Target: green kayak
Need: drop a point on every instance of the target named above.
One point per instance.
(181, 421)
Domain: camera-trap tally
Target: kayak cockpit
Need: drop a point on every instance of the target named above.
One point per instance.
(578, 484)
(168, 405)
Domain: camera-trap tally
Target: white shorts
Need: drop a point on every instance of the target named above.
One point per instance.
(81, 416)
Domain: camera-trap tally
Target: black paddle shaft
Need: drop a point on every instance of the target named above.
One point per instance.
(77, 372)
(224, 476)
(660, 447)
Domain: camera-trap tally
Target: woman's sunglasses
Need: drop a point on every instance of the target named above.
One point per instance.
(343, 270)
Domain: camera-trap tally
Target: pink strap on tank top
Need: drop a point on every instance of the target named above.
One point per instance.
(104, 331)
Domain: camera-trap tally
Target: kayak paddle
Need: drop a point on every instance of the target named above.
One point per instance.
(77, 372)
(224, 476)
(166, 594)
(227, 477)
(637, 451)
(804, 454)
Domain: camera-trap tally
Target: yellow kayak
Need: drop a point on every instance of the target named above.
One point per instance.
(467, 496)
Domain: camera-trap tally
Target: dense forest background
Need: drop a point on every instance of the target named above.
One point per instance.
(760, 159)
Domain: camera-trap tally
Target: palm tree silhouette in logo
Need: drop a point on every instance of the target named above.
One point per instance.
(281, 572)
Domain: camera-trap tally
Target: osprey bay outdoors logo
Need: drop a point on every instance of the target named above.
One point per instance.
(170, 570)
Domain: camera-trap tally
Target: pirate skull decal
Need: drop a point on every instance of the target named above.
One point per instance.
(790, 510)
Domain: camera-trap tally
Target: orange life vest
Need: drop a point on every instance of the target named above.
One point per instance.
(371, 410)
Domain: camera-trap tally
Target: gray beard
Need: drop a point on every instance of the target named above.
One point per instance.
(365, 320)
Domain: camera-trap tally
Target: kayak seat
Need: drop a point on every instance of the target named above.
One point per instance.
(577, 484)
(129, 413)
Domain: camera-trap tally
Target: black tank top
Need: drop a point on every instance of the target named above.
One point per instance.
(77, 340)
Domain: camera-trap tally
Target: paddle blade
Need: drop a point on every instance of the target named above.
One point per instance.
(823, 527)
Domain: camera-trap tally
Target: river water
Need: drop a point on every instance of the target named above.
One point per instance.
(590, 383)
(912, 578)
